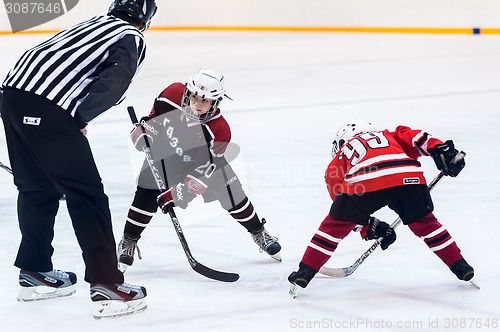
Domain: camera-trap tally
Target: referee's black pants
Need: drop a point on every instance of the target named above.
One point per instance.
(50, 157)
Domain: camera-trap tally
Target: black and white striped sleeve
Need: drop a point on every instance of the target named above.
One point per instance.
(113, 78)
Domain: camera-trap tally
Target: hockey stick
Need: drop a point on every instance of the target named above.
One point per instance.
(342, 272)
(198, 267)
(7, 168)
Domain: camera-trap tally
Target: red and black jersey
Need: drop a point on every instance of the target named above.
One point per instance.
(378, 160)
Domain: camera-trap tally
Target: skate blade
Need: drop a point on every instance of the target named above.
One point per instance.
(294, 290)
(116, 308)
(473, 283)
(277, 257)
(122, 267)
(38, 293)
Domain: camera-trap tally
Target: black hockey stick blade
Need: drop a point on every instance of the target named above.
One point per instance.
(214, 274)
(198, 267)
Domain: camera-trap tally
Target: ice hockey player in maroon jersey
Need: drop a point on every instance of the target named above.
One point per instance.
(188, 137)
(372, 169)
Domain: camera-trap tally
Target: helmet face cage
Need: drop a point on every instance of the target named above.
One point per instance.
(190, 114)
(348, 131)
(138, 11)
(206, 84)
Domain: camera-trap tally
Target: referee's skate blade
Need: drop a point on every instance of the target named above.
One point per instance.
(115, 308)
(122, 267)
(39, 293)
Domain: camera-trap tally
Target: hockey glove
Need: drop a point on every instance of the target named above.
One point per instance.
(377, 229)
(139, 135)
(443, 155)
(175, 196)
(166, 201)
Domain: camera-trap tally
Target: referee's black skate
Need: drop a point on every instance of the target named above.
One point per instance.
(267, 242)
(114, 300)
(37, 286)
(126, 251)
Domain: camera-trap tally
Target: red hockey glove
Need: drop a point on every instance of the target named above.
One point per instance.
(139, 135)
(194, 185)
(166, 201)
(377, 229)
(443, 155)
(175, 196)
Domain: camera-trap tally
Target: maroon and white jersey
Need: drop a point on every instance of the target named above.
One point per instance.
(378, 160)
(217, 131)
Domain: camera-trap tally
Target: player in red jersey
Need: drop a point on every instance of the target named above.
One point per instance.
(188, 137)
(372, 169)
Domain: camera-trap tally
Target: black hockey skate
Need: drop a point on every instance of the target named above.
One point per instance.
(464, 271)
(45, 285)
(126, 251)
(267, 242)
(300, 279)
(114, 300)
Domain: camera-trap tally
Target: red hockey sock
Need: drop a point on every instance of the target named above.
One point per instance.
(325, 241)
(437, 239)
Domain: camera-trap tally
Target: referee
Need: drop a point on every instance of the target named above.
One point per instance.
(49, 96)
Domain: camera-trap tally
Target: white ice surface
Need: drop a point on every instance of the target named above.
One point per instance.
(291, 92)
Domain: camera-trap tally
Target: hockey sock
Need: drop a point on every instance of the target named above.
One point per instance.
(137, 220)
(142, 209)
(437, 239)
(325, 241)
(245, 214)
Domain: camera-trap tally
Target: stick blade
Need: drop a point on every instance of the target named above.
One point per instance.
(214, 274)
(335, 272)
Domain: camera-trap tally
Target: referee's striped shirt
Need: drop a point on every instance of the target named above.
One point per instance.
(63, 68)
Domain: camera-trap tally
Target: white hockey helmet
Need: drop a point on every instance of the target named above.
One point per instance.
(347, 131)
(207, 84)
